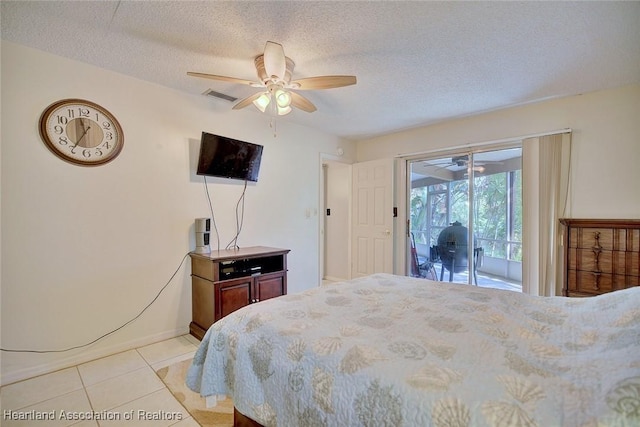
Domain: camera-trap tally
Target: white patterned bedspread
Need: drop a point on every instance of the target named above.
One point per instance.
(388, 350)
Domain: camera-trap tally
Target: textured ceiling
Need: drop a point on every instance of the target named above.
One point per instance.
(417, 62)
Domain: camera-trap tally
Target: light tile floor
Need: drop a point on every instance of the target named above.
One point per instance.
(123, 389)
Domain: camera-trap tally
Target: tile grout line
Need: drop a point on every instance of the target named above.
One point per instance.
(83, 385)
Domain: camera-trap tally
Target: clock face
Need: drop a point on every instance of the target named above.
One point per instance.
(81, 132)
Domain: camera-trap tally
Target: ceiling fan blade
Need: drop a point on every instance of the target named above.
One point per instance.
(440, 167)
(247, 101)
(324, 82)
(488, 162)
(302, 103)
(221, 78)
(438, 162)
(275, 63)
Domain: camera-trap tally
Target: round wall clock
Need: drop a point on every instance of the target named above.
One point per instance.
(81, 132)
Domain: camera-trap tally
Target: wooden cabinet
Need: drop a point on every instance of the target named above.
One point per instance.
(225, 281)
(600, 255)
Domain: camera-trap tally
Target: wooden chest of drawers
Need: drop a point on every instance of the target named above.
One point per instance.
(600, 255)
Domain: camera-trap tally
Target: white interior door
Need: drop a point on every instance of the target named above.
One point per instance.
(372, 218)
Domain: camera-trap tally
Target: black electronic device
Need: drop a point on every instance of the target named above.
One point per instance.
(244, 267)
(225, 157)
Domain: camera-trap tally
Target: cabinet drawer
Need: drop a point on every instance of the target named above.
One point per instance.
(633, 240)
(631, 281)
(589, 260)
(594, 237)
(598, 283)
(204, 268)
(633, 263)
(612, 262)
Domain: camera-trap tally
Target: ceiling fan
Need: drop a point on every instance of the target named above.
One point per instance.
(462, 161)
(274, 73)
(458, 163)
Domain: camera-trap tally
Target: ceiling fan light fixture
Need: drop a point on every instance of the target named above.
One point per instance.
(283, 110)
(262, 102)
(283, 98)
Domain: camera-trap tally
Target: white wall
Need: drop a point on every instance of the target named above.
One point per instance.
(85, 249)
(605, 144)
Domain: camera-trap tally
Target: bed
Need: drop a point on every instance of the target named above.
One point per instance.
(388, 350)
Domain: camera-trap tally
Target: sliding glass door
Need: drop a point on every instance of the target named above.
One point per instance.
(465, 218)
(439, 218)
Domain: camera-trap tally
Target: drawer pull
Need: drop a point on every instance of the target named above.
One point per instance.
(596, 252)
(596, 275)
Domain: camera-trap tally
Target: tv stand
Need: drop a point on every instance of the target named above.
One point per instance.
(227, 280)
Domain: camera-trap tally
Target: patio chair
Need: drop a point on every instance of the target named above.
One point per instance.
(421, 268)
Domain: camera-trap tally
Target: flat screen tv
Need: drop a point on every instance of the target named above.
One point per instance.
(228, 158)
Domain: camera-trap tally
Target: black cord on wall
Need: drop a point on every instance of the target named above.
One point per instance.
(233, 244)
(239, 223)
(11, 350)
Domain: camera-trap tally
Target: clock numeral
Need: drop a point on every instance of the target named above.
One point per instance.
(71, 113)
(62, 119)
(86, 153)
(63, 140)
(106, 145)
(83, 112)
(108, 135)
(106, 125)
(58, 129)
(99, 152)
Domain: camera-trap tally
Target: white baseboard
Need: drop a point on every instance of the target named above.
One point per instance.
(46, 368)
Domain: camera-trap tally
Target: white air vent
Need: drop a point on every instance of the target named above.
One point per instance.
(211, 92)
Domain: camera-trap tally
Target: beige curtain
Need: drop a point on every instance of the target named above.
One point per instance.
(545, 178)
